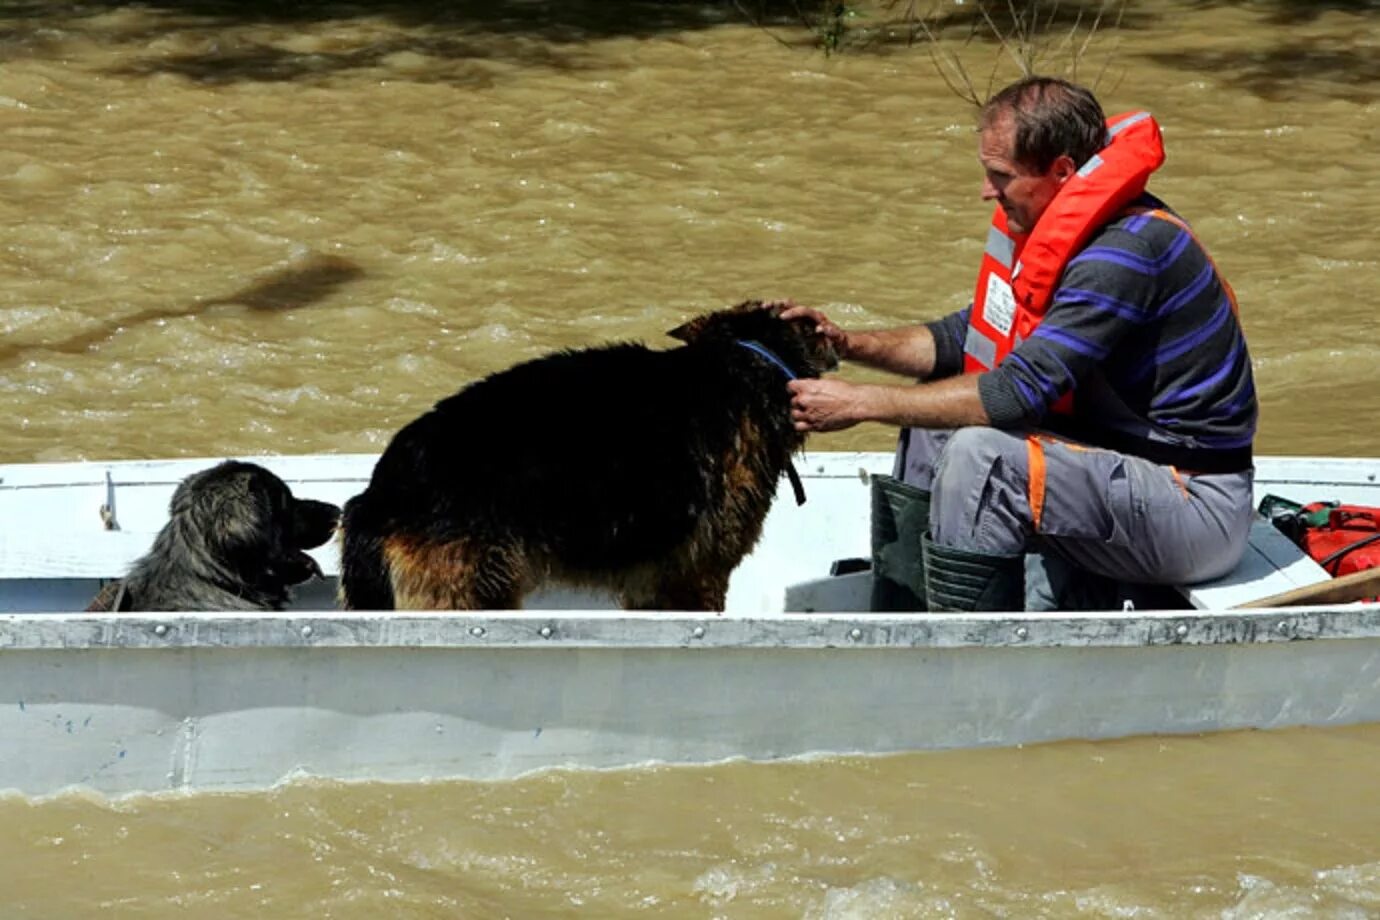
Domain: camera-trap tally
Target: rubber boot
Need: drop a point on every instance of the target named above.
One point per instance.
(900, 517)
(1053, 584)
(962, 581)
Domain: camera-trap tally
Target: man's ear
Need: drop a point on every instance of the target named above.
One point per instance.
(689, 331)
(1063, 168)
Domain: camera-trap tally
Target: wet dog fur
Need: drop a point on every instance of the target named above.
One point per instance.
(644, 472)
(235, 540)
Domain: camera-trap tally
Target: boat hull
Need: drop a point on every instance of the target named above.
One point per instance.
(141, 702)
(130, 704)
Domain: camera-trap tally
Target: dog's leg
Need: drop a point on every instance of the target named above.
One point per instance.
(458, 575)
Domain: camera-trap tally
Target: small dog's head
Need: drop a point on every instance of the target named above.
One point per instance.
(803, 347)
(250, 522)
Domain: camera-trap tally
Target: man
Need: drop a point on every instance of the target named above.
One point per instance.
(1095, 404)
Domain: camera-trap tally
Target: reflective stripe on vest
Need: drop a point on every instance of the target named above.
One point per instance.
(1019, 272)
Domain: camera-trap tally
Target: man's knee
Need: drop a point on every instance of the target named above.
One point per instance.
(980, 492)
(977, 453)
(974, 457)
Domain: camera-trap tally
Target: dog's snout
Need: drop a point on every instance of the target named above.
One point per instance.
(314, 522)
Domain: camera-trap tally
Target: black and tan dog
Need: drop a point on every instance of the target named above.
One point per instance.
(235, 540)
(647, 473)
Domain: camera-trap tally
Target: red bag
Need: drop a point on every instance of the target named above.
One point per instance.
(1342, 538)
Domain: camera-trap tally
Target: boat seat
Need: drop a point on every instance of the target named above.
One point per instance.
(1271, 565)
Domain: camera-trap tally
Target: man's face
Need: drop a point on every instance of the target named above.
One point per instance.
(1022, 193)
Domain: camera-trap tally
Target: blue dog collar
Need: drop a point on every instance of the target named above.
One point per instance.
(796, 485)
(768, 354)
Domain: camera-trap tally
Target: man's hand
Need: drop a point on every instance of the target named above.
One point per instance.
(832, 405)
(836, 336)
(826, 405)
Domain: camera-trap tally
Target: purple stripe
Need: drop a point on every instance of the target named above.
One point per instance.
(960, 329)
(1073, 381)
(1031, 399)
(1188, 342)
(1226, 442)
(1070, 341)
(1170, 397)
(1131, 260)
(1134, 312)
(1196, 287)
(1047, 386)
(1246, 395)
(1068, 374)
(1137, 223)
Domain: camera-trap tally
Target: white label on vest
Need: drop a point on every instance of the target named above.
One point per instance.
(999, 307)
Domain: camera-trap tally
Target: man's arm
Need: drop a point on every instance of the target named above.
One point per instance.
(919, 352)
(832, 405)
(932, 353)
(908, 351)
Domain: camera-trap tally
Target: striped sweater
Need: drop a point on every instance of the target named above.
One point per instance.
(1141, 329)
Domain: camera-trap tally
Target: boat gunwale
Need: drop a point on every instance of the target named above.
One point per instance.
(1339, 471)
(586, 629)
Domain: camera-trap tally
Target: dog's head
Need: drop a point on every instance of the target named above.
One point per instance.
(249, 521)
(796, 341)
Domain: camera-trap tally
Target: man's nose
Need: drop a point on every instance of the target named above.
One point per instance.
(989, 191)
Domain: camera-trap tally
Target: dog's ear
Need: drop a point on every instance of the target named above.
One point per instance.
(751, 306)
(693, 330)
(238, 518)
(690, 330)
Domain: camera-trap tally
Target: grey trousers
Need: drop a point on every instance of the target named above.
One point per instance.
(1106, 513)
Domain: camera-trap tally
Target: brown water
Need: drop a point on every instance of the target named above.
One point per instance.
(1249, 825)
(242, 228)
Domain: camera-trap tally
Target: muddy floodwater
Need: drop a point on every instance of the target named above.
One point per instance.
(245, 228)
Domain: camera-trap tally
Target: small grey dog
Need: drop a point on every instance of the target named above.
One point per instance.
(236, 540)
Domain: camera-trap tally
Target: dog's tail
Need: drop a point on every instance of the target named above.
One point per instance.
(364, 578)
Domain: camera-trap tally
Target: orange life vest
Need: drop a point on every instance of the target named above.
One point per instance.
(1019, 272)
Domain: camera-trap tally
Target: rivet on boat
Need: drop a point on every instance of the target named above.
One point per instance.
(1022, 632)
(306, 631)
(1181, 630)
(160, 630)
(476, 631)
(697, 632)
(545, 632)
(855, 634)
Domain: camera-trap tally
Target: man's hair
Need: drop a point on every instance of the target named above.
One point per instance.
(1052, 117)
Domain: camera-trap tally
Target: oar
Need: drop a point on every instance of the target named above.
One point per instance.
(296, 285)
(1353, 587)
